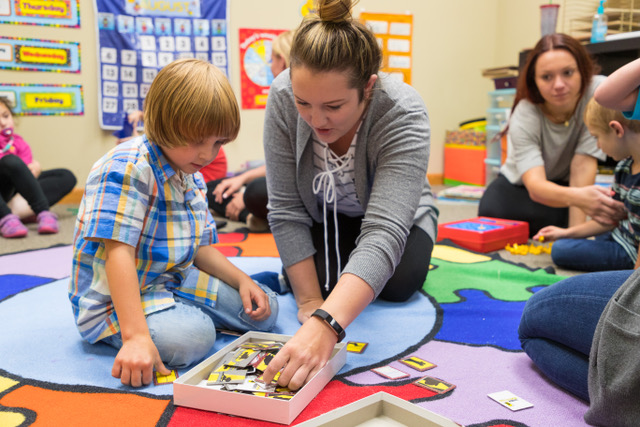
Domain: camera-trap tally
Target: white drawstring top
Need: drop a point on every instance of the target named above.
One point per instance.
(334, 183)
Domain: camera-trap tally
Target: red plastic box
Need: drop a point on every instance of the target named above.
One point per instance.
(484, 234)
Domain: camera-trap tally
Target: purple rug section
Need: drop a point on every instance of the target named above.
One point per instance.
(54, 263)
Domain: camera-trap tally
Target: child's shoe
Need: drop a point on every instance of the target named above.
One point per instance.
(47, 223)
(11, 227)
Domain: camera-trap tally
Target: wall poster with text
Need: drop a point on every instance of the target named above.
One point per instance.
(255, 66)
(136, 38)
(395, 35)
(20, 53)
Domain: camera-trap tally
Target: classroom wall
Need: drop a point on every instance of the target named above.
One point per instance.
(453, 41)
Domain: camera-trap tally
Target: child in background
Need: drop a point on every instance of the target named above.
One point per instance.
(226, 196)
(618, 250)
(145, 278)
(20, 175)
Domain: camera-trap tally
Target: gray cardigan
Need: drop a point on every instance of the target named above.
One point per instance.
(392, 154)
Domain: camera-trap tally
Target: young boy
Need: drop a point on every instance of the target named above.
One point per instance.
(619, 138)
(145, 279)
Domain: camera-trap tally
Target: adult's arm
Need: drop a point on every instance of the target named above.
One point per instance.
(593, 200)
(619, 91)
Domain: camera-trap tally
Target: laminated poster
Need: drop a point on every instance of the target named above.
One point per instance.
(255, 66)
(55, 13)
(136, 38)
(44, 99)
(39, 55)
(395, 35)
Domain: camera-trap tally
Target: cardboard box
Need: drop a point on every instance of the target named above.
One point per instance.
(484, 234)
(191, 389)
(380, 409)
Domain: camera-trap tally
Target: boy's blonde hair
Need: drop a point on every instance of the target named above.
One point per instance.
(281, 46)
(190, 100)
(597, 116)
(333, 41)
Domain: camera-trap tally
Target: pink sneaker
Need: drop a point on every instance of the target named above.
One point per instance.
(47, 223)
(11, 227)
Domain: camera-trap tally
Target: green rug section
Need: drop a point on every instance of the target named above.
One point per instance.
(501, 280)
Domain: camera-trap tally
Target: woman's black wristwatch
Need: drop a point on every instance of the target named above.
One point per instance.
(339, 330)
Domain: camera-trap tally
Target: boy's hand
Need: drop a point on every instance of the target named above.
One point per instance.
(551, 232)
(251, 294)
(135, 361)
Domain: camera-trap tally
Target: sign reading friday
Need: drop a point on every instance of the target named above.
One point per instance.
(44, 99)
(174, 8)
(48, 101)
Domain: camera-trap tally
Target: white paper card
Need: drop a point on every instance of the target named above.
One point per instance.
(510, 400)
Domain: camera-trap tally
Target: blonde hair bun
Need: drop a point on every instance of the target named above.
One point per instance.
(335, 10)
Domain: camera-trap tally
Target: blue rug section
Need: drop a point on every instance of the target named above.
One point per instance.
(480, 320)
(11, 284)
(43, 315)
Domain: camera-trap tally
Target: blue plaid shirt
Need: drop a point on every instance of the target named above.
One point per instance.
(135, 197)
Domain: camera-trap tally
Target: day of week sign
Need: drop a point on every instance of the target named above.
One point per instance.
(57, 13)
(42, 99)
(39, 55)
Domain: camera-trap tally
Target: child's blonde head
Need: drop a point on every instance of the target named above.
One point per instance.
(599, 117)
(5, 101)
(188, 101)
(281, 46)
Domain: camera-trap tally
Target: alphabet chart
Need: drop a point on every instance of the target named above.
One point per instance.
(136, 38)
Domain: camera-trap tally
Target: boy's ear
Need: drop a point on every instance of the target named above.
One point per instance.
(617, 128)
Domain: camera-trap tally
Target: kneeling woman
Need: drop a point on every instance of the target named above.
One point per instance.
(350, 207)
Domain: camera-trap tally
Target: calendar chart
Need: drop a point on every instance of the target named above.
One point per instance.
(136, 38)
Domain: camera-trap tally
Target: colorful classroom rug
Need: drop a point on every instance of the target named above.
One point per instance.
(464, 321)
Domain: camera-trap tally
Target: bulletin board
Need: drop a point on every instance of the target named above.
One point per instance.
(395, 35)
(136, 38)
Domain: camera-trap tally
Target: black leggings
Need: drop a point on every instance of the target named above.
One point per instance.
(409, 275)
(41, 193)
(255, 199)
(507, 201)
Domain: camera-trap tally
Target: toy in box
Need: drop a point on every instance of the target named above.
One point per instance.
(484, 234)
(206, 385)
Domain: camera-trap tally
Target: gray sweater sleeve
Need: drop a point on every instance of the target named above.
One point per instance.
(391, 163)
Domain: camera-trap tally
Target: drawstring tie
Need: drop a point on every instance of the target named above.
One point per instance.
(325, 182)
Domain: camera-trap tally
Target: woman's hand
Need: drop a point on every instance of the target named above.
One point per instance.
(227, 187)
(303, 355)
(597, 203)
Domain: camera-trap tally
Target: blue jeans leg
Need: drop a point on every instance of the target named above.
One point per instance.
(558, 323)
(590, 255)
(183, 334)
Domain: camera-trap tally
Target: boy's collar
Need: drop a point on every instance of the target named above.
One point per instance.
(165, 171)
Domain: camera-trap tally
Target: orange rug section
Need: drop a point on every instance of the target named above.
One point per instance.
(247, 244)
(70, 409)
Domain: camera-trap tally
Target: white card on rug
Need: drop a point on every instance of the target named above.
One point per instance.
(510, 400)
(390, 372)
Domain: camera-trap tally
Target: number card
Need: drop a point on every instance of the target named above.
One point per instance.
(138, 38)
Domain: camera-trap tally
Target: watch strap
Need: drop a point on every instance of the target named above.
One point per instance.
(329, 320)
